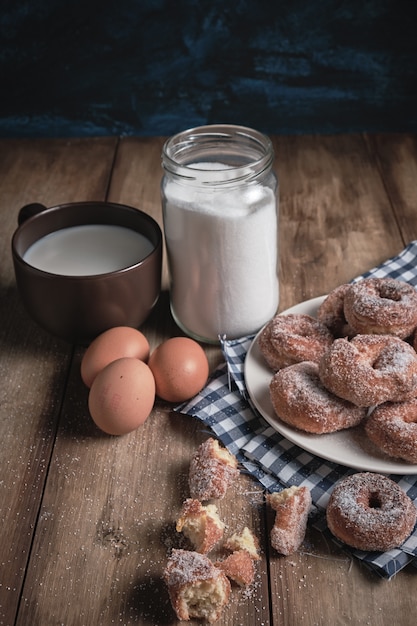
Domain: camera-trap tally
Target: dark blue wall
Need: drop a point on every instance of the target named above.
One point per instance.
(125, 67)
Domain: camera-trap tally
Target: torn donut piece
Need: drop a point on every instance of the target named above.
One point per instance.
(245, 540)
(239, 567)
(212, 470)
(196, 587)
(200, 524)
(291, 506)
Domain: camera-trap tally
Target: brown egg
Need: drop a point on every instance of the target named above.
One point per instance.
(115, 343)
(122, 396)
(180, 369)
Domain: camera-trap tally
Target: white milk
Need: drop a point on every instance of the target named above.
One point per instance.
(88, 250)
(222, 253)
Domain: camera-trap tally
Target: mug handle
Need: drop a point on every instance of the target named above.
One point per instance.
(29, 210)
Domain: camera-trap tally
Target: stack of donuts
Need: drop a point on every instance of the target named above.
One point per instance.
(355, 363)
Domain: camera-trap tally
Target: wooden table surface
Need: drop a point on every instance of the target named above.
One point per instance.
(87, 520)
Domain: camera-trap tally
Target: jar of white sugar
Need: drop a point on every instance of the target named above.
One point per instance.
(220, 205)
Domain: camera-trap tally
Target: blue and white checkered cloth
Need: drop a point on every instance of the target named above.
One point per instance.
(276, 463)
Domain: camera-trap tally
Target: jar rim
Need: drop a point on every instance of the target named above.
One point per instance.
(244, 152)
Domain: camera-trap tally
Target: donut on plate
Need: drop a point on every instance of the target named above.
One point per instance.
(370, 369)
(331, 312)
(369, 511)
(392, 427)
(300, 399)
(381, 306)
(292, 338)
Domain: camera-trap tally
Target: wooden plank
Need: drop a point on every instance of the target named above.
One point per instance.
(323, 585)
(33, 365)
(336, 220)
(397, 160)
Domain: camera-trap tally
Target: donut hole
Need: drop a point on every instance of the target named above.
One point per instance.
(302, 328)
(393, 358)
(389, 292)
(379, 362)
(376, 364)
(374, 501)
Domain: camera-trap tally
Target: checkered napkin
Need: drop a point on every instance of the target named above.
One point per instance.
(225, 407)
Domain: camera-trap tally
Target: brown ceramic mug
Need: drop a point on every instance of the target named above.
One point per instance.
(79, 307)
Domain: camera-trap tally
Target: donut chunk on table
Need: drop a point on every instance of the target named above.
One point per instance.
(381, 306)
(212, 470)
(292, 338)
(245, 540)
(196, 587)
(200, 524)
(392, 427)
(291, 506)
(370, 369)
(370, 512)
(300, 399)
(239, 567)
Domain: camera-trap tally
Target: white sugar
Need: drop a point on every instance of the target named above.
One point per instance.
(222, 247)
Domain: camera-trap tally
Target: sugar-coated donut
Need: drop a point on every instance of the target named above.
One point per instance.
(301, 400)
(370, 512)
(292, 338)
(331, 312)
(381, 306)
(370, 369)
(392, 427)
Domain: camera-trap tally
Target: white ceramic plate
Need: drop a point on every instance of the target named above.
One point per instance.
(348, 447)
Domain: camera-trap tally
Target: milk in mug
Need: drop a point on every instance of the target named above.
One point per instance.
(88, 250)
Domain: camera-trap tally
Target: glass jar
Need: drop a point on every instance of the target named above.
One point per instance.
(220, 212)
